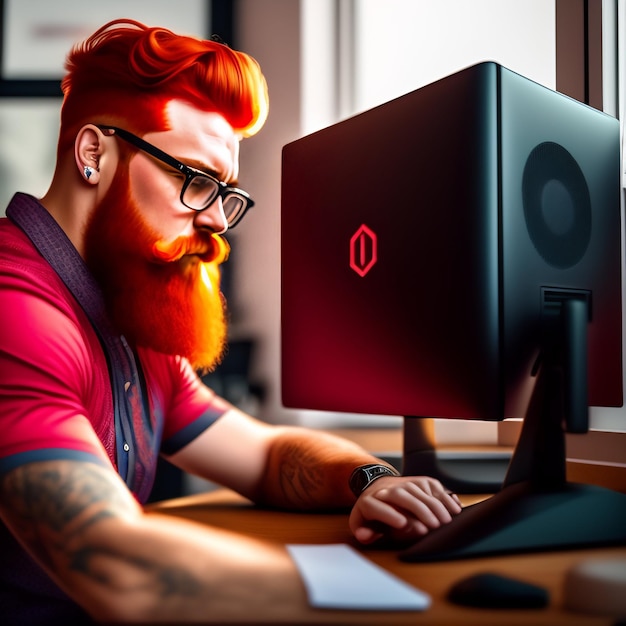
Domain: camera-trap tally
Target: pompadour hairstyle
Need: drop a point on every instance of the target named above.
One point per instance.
(126, 72)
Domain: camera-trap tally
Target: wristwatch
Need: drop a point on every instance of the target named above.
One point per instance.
(364, 475)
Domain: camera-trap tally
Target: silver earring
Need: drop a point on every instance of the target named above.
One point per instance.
(88, 171)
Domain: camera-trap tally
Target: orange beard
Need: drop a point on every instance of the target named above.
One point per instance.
(161, 295)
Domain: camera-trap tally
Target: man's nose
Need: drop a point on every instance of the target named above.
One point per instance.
(212, 218)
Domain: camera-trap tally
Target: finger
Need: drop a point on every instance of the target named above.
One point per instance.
(452, 502)
(417, 504)
(369, 533)
(428, 484)
(433, 487)
(367, 530)
(433, 509)
(413, 504)
(415, 528)
(379, 509)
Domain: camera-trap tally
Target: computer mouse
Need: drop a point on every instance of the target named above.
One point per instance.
(491, 590)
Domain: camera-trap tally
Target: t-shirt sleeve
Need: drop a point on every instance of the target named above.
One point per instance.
(45, 376)
(187, 405)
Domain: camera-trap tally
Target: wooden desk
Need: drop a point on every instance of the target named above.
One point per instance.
(224, 509)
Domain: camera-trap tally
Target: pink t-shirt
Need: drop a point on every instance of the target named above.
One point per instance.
(55, 391)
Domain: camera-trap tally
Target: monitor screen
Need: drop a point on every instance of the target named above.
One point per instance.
(430, 245)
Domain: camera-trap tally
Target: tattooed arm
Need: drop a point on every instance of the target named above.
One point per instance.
(303, 469)
(282, 466)
(312, 470)
(83, 526)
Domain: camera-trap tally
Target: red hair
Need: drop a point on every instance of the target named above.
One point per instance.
(125, 73)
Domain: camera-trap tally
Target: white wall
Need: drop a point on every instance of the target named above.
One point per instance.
(401, 45)
(268, 30)
(32, 123)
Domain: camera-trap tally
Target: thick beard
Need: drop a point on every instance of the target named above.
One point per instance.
(160, 295)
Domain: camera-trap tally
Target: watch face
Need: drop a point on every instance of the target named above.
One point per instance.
(363, 476)
(373, 472)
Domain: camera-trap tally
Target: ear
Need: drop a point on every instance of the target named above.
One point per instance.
(88, 148)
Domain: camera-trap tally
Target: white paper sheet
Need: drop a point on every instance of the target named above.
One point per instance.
(336, 576)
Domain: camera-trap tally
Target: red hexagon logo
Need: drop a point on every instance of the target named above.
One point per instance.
(363, 250)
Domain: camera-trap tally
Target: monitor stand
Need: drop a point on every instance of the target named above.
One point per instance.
(537, 509)
(461, 471)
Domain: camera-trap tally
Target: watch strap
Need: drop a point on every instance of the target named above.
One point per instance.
(364, 475)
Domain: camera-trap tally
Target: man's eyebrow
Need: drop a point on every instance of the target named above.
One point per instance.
(198, 165)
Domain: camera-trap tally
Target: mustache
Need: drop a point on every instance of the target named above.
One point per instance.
(209, 249)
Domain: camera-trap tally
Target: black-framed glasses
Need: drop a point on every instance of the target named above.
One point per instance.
(200, 190)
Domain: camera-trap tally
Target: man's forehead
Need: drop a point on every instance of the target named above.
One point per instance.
(201, 136)
(184, 117)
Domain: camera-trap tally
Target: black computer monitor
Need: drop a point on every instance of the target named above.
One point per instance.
(455, 253)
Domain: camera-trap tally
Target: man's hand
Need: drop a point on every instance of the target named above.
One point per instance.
(402, 508)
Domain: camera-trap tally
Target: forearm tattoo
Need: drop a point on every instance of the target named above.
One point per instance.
(53, 505)
(298, 474)
(57, 501)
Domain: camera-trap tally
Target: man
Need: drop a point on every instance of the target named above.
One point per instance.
(109, 302)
